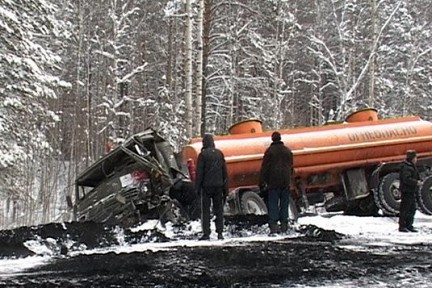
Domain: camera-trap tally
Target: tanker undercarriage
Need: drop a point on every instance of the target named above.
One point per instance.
(371, 193)
(360, 192)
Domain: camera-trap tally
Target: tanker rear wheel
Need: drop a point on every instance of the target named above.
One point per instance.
(379, 205)
(389, 194)
(252, 203)
(424, 197)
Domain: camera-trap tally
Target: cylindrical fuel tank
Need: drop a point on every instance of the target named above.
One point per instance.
(324, 149)
(368, 114)
(245, 127)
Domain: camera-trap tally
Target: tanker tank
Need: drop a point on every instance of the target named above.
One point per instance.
(330, 158)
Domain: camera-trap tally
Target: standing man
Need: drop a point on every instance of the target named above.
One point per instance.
(212, 184)
(276, 172)
(409, 184)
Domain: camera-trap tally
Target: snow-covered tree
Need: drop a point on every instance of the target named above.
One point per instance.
(404, 59)
(28, 67)
(289, 63)
(249, 62)
(119, 50)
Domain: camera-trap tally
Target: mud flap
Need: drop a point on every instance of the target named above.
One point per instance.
(301, 186)
(293, 212)
(355, 184)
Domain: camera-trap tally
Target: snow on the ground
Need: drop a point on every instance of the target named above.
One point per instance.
(12, 267)
(374, 231)
(361, 231)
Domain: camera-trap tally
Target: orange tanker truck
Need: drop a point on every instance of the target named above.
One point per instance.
(351, 166)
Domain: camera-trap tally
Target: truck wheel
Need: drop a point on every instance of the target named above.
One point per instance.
(424, 197)
(375, 193)
(389, 194)
(252, 203)
(335, 204)
(379, 205)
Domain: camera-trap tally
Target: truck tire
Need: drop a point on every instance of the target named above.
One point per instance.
(377, 200)
(379, 205)
(389, 194)
(424, 197)
(335, 204)
(252, 203)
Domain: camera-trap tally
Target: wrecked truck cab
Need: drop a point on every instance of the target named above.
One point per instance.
(139, 180)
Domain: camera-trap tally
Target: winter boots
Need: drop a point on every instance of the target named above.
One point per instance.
(408, 229)
(207, 237)
(412, 229)
(284, 227)
(204, 237)
(273, 229)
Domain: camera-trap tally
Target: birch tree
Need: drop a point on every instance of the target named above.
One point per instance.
(199, 70)
(374, 30)
(188, 69)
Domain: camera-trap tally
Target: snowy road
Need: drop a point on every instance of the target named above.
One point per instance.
(370, 253)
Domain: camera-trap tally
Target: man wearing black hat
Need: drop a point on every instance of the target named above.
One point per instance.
(275, 175)
(211, 184)
(409, 184)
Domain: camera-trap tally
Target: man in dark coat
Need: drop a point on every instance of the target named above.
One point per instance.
(212, 184)
(275, 176)
(409, 184)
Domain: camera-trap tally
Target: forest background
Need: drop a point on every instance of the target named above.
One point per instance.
(78, 77)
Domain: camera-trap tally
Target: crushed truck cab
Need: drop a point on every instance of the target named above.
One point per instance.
(138, 180)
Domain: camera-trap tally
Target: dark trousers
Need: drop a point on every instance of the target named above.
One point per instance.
(407, 210)
(278, 200)
(214, 194)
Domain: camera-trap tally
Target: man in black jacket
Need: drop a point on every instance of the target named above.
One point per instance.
(212, 184)
(409, 184)
(276, 173)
